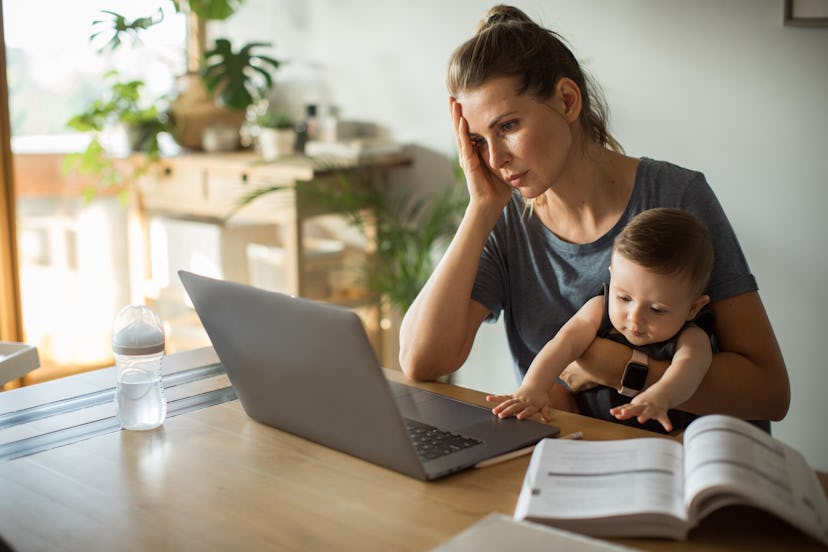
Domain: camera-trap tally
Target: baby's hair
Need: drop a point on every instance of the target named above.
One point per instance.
(668, 241)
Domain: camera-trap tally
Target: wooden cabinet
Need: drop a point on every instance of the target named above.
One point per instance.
(190, 214)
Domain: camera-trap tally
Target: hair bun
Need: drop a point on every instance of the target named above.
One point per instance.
(504, 14)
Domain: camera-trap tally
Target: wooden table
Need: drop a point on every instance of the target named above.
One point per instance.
(213, 479)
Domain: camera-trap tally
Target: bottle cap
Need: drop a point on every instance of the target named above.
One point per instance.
(137, 330)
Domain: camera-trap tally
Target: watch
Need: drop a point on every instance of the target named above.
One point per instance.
(635, 374)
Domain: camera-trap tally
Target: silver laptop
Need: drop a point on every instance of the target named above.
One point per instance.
(308, 368)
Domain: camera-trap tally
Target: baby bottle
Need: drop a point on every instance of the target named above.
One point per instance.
(138, 347)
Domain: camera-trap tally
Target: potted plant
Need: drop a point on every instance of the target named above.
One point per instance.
(410, 233)
(227, 84)
(276, 135)
(220, 84)
(121, 104)
(237, 79)
(214, 93)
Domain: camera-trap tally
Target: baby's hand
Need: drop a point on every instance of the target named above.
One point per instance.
(643, 411)
(522, 404)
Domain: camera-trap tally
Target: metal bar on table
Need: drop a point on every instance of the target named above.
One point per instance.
(47, 441)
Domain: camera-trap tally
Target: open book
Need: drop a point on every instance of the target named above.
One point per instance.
(657, 487)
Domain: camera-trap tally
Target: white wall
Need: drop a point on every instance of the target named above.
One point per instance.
(722, 87)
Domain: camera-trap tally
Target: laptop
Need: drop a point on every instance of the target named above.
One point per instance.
(307, 367)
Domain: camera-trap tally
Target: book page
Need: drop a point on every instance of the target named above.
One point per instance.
(592, 479)
(729, 461)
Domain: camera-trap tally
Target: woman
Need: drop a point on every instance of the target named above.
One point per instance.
(549, 190)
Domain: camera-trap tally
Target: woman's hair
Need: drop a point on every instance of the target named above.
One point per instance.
(509, 44)
(668, 241)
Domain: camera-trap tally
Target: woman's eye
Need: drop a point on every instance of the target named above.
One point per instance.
(508, 126)
(477, 142)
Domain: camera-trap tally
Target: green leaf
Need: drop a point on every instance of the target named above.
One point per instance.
(237, 80)
(215, 9)
(117, 26)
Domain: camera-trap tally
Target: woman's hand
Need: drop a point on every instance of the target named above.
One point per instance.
(438, 330)
(485, 187)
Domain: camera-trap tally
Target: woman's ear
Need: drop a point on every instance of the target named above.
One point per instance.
(569, 96)
(697, 306)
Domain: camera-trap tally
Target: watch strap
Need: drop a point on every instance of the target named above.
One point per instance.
(640, 357)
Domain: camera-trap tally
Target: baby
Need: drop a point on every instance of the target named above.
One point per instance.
(659, 268)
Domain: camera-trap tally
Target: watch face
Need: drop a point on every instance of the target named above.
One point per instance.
(635, 375)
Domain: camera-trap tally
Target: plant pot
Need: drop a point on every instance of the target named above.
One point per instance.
(276, 142)
(220, 137)
(138, 138)
(193, 111)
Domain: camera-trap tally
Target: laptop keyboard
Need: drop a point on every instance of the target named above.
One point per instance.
(432, 442)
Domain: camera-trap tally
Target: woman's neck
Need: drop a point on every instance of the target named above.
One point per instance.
(587, 201)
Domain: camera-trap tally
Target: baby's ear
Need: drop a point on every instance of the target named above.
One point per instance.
(697, 306)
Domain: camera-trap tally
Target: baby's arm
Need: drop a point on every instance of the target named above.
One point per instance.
(685, 373)
(567, 345)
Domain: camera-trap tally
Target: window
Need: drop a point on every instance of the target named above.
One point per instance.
(73, 252)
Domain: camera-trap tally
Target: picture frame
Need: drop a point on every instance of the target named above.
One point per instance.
(806, 13)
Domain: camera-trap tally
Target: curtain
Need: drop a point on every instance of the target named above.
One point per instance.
(11, 327)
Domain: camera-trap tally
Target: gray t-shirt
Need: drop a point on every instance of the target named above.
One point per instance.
(539, 281)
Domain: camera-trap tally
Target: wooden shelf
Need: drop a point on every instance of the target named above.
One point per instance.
(281, 240)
